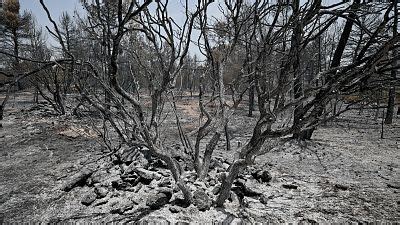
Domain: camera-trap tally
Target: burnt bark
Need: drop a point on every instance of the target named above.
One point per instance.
(337, 57)
(208, 153)
(16, 54)
(246, 156)
(251, 100)
(298, 77)
(3, 105)
(1, 115)
(392, 89)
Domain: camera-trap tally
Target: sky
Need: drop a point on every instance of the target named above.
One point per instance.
(56, 7)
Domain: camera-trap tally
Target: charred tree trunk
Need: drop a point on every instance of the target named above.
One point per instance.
(58, 95)
(207, 155)
(3, 105)
(392, 90)
(16, 54)
(391, 98)
(337, 56)
(251, 89)
(246, 156)
(1, 114)
(298, 77)
(251, 99)
(36, 96)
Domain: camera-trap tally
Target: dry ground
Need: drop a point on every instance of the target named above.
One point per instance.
(347, 173)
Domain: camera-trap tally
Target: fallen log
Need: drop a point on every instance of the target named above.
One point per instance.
(78, 179)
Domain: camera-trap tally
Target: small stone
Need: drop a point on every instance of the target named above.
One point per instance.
(246, 188)
(101, 192)
(158, 200)
(192, 209)
(201, 200)
(146, 175)
(216, 190)
(264, 199)
(341, 187)
(121, 208)
(114, 171)
(89, 198)
(119, 184)
(262, 175)
(175, 209)
(289, 186)
(157, 176)
(89, 182)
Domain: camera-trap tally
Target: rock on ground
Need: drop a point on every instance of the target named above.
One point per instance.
(101, 192)
(157, 200)
(201, 200)
(89, 198)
